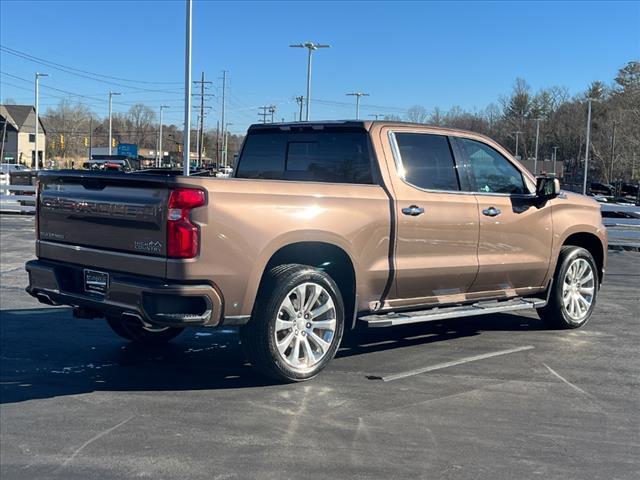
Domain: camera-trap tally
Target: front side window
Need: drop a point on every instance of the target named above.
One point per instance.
(427, 161)
(489, 171)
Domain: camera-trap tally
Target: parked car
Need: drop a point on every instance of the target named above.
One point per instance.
(7, 168)
(596, 188)
(323, 226)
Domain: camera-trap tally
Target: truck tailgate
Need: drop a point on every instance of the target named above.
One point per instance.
(117, 212)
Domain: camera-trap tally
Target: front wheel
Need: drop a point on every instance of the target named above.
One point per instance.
(139, 333)
(297, 323)
(574, 290)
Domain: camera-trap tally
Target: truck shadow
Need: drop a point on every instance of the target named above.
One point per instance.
(46, 353)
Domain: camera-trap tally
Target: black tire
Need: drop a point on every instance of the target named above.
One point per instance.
(259, 335)
(555, 314)
(136, 332)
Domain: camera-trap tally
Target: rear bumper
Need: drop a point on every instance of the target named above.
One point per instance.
(155, 301)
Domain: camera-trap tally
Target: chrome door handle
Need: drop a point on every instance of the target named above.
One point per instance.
(491, 212)
(413, 210)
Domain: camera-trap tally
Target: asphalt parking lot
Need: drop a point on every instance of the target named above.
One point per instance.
(77, 402)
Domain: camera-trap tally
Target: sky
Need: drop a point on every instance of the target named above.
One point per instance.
(435, 54)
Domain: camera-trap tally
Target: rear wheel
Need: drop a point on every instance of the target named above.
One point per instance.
(297, 323)
(574, 290)
(139, 333)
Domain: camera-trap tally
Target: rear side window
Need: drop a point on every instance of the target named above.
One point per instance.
(427, 161)
(323, 156)
(490, 171)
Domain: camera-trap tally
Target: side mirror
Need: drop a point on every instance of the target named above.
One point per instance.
(547, 188)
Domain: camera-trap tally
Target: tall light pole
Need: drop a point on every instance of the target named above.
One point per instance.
(357, 95)
(111, 94)
(586, 152)
(160, 152)
(187, 94)
(226, 141)
(310, 46)
(555, 158)
(613, 150)
(535, 159)
(38, 75)
(517, 136)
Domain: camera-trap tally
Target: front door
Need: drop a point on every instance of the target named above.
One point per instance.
(437, 224)
(515, 232)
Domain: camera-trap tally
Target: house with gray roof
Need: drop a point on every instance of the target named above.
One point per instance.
(18, 135)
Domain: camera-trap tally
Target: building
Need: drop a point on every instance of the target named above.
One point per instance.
(17, 135)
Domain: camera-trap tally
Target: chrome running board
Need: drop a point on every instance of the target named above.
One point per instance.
(440, 313)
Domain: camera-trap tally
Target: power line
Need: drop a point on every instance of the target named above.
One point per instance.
(13, 51)
(82, 75)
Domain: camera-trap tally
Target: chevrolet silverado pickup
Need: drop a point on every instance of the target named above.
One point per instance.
(324, 226)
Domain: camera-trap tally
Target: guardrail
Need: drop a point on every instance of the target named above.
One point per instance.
(13, 198)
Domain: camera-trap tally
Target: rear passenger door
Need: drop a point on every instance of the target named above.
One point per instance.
(437, 224)
(515, 234)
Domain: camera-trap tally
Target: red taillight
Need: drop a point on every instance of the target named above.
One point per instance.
(37, 209)
(183, 237)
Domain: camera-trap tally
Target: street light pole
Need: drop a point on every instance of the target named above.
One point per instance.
(517, 134)
(226, 142)
(357, 95)
(187, 94)
(535, 159)
(111, 94)
(160, 151)
(586, 152)
(555, 158)
(35, 154)
(310, 46)
(613, 150)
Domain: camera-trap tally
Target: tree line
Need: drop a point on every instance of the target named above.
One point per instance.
(71, 126)
(613, 150)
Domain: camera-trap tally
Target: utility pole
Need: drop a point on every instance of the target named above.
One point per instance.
(555, 158)
(613, 150)
(218, 144)
(160, 150)
(535, 159)
(222, 121)
(263, 114)
(272, 111)
(357, 95)
(300, 102)
(226, 142)
(4, 136)
(517, 133)
(111, 94)
(200, 130)
(586, 152)
(310, 46)
(186, 139)
(35, 154)
(90, 137)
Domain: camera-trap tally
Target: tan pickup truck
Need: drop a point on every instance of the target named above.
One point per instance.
(322, 226)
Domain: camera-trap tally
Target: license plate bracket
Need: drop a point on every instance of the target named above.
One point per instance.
(96, 282)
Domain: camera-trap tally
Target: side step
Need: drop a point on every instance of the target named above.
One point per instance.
(439, 313)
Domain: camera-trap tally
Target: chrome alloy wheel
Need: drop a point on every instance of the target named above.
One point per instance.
(305, 326)
(578, 289)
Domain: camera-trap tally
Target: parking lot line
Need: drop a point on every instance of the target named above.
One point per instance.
(439, 366)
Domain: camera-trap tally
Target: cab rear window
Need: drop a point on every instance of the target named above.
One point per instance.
(338, 156)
